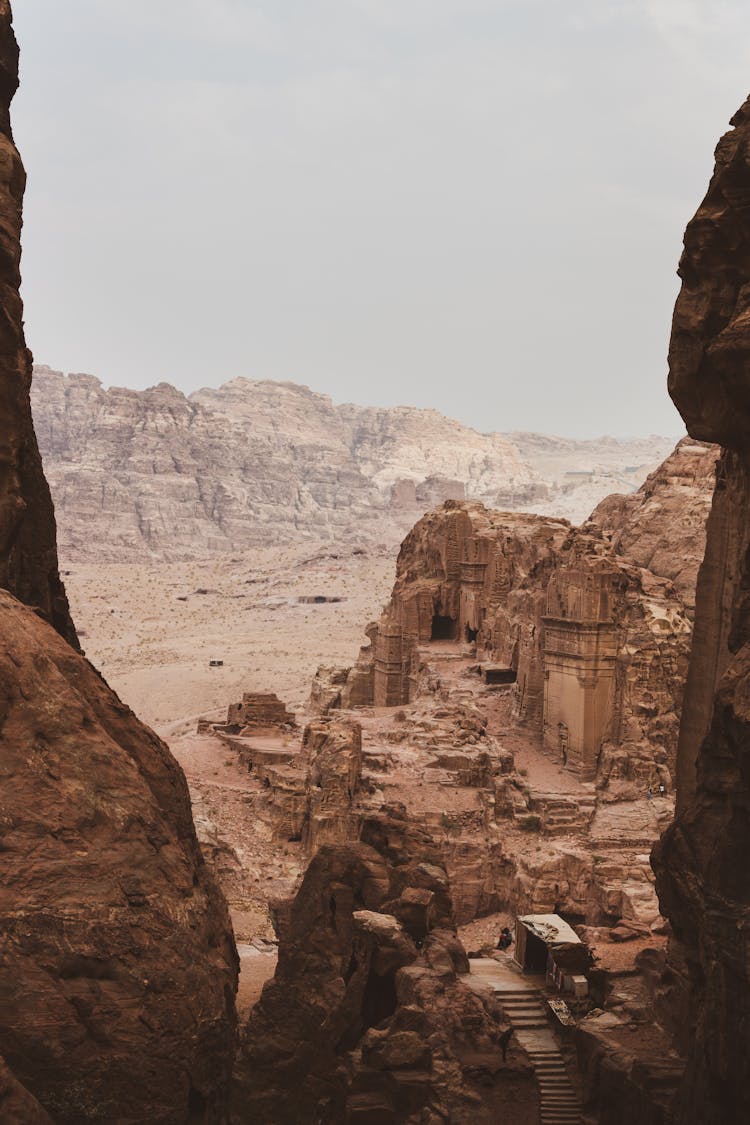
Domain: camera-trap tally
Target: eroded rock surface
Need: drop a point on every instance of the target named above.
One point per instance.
(367, 1018)
(662, 526)
(117, 954)
(154, 473)
(702, 861)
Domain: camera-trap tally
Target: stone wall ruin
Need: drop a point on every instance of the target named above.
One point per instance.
(593, 647)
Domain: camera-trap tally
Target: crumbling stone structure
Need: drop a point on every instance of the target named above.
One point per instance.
(593, 646)
(258, 710)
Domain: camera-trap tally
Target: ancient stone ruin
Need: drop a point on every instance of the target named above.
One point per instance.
(515, 714)
(592, 644)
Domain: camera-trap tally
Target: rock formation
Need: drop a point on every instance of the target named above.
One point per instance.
(595, 645)
(662, 526)
(702, 860)
(117, 953)
(154, 473)
(117, 963)
(28, 558)
(367, 1018)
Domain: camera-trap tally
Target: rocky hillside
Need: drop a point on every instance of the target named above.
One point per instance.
(157, 474)
(662, 526)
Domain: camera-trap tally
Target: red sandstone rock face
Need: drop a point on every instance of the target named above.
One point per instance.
(117, 955)
(701, 863)
(28, 553)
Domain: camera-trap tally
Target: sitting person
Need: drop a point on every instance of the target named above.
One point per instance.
(506, 938)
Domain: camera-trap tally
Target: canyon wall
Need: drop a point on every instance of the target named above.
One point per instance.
(701, 862)
(157, 474)
(28, 557)
(117, 963)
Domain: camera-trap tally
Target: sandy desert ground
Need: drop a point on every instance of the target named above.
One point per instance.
(152, 629)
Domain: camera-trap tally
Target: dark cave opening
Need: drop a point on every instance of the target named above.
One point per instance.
(379, 999)
(443, 628)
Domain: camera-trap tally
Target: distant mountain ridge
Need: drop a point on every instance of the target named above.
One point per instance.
(161, 474)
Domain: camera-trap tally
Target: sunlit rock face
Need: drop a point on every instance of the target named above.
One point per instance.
(702, 863)
(117, 963)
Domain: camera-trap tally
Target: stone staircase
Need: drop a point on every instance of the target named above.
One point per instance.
(525, 1009)
(562, 815)
(527, 1013)
(559, 1103)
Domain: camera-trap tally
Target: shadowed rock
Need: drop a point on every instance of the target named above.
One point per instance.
(367, 1019)
(28, 551)
(701, 863)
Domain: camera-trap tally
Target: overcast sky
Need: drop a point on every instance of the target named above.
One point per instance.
(475, 205)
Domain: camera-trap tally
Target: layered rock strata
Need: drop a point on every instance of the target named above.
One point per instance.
(157, 474)
(701, 863)
(117, 968)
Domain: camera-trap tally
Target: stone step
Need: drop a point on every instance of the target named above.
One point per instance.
(520, 1007)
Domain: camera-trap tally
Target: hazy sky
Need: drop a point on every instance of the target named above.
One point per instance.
(476, 205)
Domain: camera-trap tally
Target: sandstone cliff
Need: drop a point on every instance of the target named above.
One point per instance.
(506, 742)
(117, 955)
(28, 559)
(701, 863)
(157, 474)
(118, 966)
